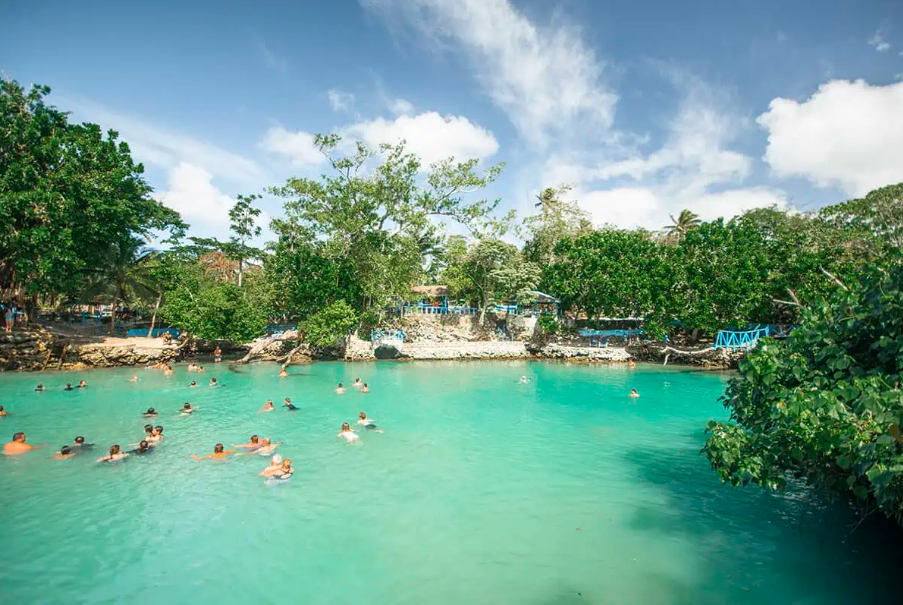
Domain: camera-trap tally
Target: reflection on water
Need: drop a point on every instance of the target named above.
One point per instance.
(481, 490)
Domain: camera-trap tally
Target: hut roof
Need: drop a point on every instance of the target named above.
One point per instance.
(544, 298)
(430, 290)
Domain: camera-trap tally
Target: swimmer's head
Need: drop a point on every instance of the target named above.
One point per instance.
(277, 459)
(633, 390)
(68, 385)
(287, 464)
(65, 450)
(362, 416)
(287, 400)
(114, 450)
(20, 437)
(143, 445)
(218, 448)
(159, 429)
(365, 386)
(340, 385)
(187, 406)
(194, 384)
(254, 438)
(79, 440)
(213, 381)
(148, 428)
(82, 383)
(356, 380)
(151, 411)
(1, 408)
(346, 426)
(265, 441)
(40, 387)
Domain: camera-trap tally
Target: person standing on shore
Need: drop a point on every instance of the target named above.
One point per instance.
(9, 312)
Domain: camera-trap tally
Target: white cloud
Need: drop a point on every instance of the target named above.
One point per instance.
(339, 100)
(401, 107)
(847, 134)
(431, 136)
(299, 146)
(192, 194)
(546, 79)
(878, 42)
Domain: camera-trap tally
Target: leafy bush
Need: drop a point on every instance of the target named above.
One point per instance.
(825, 404)
(549, 324)
(329, 324)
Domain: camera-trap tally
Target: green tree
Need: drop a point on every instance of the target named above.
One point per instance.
(823, 405)
(330, 324)
(875, 222)
(559, 219)
(498, 271)
(66, 192)
(243, 224)
(685, 222)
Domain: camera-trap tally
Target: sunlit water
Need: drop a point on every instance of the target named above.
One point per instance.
(480, 490)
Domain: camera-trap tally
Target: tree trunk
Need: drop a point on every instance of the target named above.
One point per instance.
(150, 333)
(240, 271)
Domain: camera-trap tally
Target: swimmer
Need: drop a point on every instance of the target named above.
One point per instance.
(524, 380)
(151, 412)
(347, 433)
(39, 388)
(213, 382)
(192, 367)
(288, 404)
(631, 364)
(200, 369)
(134, 379)
(218, 453)
(143, 448)
(115, 455)
(193, 384)
(252, 444)
(266, 447)
(340, 389)
(633, 394)
(267, 406)
(368, 423)
(68, 387)
(3, 412)
(159, 431)
(64, 454)
(187, 409)
(283, 472)
(283, 373)
(274, 467)
(365, 388)
(155, 436)
(167, 371)
(18, 446)
(82, 384)
(357, 383)
(80, 442)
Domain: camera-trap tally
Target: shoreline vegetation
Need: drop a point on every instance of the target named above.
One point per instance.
(372, 248)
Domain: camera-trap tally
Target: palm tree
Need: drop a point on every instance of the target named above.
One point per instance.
(546, 198)
(685, 222)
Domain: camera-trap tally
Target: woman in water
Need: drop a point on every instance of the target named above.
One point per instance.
(68, 387)
(115, 455)
(633, 394)
(218, 453)
(192, 367)
(365, 388)
(357, 383)
(193, 384)
(187, 409)
(282, 372)
(64, 454)
(143, 448)
(3, 412)
(200, 368)
(340, 389)
(253, 444)
(150, 413)
(289, 406)
(268, 406)
(134, 379)
(167, 371)
(39, 388)
(80, 442)
(213, 382)
(154, 436)
(631, 363)
(284, 472)
(347, 433)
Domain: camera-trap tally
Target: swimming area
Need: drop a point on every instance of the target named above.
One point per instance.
(480, 490)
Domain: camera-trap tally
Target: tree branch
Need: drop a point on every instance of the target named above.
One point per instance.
(834, 279)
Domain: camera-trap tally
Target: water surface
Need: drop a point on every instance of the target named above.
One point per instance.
(480, 490)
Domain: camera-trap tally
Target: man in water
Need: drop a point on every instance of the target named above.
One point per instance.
(217, 355)
(115, 455)
(80, 442)
(289, 406)
(151, 412)
(283, 373)
(154, 436)
(252, 444)
(267, 406)
(143, 448)
(64, 454)
(68, 387)
(274, 467)
(187, 409)
(218, 453)
(3, 412)
(213, 382)
(340, 389)
(134, 379)
(82, 384)
(283, 471)
(365, 388)
(193, 384)
(18, 446)
(367, 423)
(357, 383)
(39, 388)
(192, 367)
(523, 380)
(633, 394)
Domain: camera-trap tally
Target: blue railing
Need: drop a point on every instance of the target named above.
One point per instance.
(427, 310)
(156, 333)
(599, 338)
(377, 336)
(737, 339)
(279, 328)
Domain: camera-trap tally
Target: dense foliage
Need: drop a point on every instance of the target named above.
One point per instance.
(825, 404)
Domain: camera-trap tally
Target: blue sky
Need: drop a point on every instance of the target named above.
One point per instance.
(643, 107)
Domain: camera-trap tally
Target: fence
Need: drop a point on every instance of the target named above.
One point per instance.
(427, 310)
(599, 338)
(377, 336)
(735, 339)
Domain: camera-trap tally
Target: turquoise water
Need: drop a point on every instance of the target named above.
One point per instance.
(473, 494)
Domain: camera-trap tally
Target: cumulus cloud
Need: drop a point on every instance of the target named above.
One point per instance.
(547, 80)
(401, 107)
(192, 194)
(339, 100)
(429, 135)
(298, 146)
(847, 134)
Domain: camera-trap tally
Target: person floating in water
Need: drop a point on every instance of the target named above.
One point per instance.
(151, 412)
(340, 389)
(200, 369)
(268, 406)
(282, 372)
(253, 444)
(115, 455)
(18, 446)
(143, 448)
(283, 471)
(3, 412)
(347, 433)
(217, 355)
(633, 393)
(134, 379)
(80, 442)
(187, 409)
(357, 383)
(68, 387)
(193, 384)
(365, 388)
(213, 382)
(289, 406)
(368, 423)
(218, 453)
(82, 384)
(524, 380)
(192, 367)
(65, 453)
(39, 388)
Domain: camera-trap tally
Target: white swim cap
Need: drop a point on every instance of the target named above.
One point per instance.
(277, 459)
